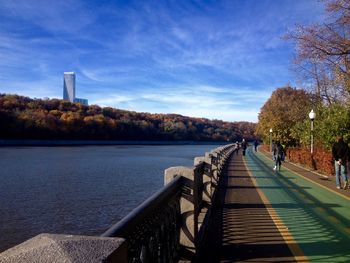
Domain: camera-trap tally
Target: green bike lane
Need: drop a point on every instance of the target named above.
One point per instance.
(315, 218)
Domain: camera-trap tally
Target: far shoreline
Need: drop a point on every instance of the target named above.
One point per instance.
(10, 143)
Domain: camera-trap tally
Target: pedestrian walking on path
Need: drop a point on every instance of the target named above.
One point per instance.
(244, 146)
(278, 153)
(236, 149)
(256, 143)
(341, 153)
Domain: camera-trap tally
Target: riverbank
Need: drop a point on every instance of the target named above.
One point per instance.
(99, 142)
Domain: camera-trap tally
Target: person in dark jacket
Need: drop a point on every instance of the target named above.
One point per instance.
(340, 152)
(244, 145)
(256, 143)
(278, 153)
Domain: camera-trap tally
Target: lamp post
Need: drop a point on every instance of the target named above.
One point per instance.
(312, 116)
(271, 140)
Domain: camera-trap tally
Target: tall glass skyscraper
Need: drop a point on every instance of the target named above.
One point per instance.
(69, 86)
(69, 89)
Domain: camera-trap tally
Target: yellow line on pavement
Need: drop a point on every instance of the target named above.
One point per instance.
(287, 236)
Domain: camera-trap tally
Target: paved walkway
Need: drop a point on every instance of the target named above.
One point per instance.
(289, 216)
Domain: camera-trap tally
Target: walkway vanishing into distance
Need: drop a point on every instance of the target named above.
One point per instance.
(289, 216)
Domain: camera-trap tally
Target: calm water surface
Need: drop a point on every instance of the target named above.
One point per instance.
(79, 190)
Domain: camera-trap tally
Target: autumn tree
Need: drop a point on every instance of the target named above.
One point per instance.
(285, 108)
(323, 52)
(332, 121)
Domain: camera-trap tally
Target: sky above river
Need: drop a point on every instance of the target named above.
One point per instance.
(212, 59)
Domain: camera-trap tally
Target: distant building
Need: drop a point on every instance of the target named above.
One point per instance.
(81, 101)
(69, 86)
(69, 89)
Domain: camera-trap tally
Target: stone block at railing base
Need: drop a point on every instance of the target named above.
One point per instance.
(171, 172)
(45, 248)
(198, 160)
(207, 178)
(188, 207)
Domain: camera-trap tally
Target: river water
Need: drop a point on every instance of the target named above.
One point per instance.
(79, 190)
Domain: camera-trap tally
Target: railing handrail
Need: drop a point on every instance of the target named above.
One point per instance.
(146, 208)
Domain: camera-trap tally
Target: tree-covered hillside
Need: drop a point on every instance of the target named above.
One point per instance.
(26, 118)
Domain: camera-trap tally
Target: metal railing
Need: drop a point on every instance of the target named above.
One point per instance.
(166, 226)
(152, 229)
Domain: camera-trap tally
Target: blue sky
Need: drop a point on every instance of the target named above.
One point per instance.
(212, 59)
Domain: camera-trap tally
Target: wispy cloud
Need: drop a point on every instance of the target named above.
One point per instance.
(207, 59)
(56, 17)
(233, 103)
